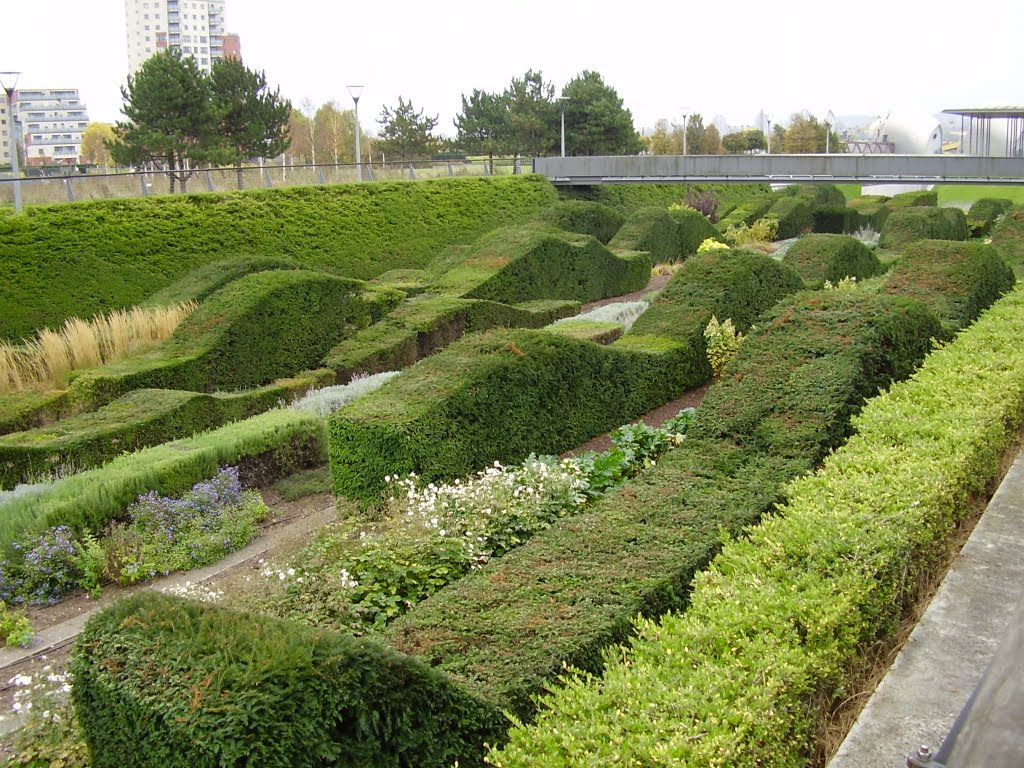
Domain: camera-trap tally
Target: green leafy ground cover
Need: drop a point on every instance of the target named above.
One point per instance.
(95, 256)
(722, 684)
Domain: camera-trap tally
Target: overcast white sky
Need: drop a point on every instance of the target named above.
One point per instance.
(731, 58)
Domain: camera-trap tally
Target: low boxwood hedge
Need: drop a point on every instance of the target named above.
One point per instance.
(584, 217)
(164, 681)
(94, 256)
(817, 258)
(957, 280)
(506, 631)
(984, 212)
(265, 447)
(905, 225)
(829, 576)
(652, 230)
(793, 216)
(139, 419)
(499, 395)
(261, 327)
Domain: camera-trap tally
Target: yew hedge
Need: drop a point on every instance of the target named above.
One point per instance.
(821, 257)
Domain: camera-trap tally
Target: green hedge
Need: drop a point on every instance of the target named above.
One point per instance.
(29, 409)
(584, 217)
(198, 284)
(423, 325)
(628, 197)
(871, 211)
(793, 216)
(90, 257)
(928, 198)
(733, 284)
(499, 395)
(984, 212)
(818, 195)
(905, 225)
(747, 213)
(265, 447)
(161, 681)
(652, 230)
(836, 219)
(1008, 238)
(829, 577)
(817, 258)
(589, 330)
(957, 280)
(693, 229)
(507, 630)
(261, 327)
(139, 419)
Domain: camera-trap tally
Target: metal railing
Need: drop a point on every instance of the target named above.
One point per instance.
(98, 185)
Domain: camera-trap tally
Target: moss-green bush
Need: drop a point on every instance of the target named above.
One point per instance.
(423, 325)
(817, 258)
(265, 447)
(693, 229)
(829, 575)
(507, 630)
(957, 280)
(984, 212)
(1008, 238)
(652, 230)
(584, 217)
(905, 225)
(182, 684)
(91, 257)
(139, 419)
(793, 216)
(499, 395)
(261, 327)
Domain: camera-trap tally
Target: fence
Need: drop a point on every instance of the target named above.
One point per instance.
(97, 185)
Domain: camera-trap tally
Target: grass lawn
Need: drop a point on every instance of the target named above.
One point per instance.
(968, 193)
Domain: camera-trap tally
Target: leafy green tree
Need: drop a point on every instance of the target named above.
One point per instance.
(596, 123)
(804, 135)
(482, 127)
(667, 139)
(300, 129)
(748, 140)
(533, 116)
(335, 130)
(712, 144)
(171, 118)
(406, 132)
(695, 134)
(252, 121)
(95, 139)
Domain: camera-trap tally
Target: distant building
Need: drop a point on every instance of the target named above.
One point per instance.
(51, 122)
(6, 131)
(195, 27)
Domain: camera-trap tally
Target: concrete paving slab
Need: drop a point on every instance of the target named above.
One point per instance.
(949, 650)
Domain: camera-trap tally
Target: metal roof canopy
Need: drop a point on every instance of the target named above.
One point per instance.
(979, 137)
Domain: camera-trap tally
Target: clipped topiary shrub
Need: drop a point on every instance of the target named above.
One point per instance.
(905, 225)
(747, 212)
(652, 230)
(628, 197)
(198, 284)
(817, 258)
(928, 198)
(693, 229)
(818, 195)
(957, 280)
(499, 395)
(871, 211)
(258, 328)
(984, 212)
(1008, 238)
(793, 217)
(584, 217)
(178, 683)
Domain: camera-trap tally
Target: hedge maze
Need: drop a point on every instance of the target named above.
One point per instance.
(591, 615)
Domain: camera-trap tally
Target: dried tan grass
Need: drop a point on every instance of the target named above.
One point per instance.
(44, 361)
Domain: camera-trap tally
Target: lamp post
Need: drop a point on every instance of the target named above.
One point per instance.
(830, 120)
(768, 133)
(12, 78)
(355, 91)
(685, 115)
(562, 100)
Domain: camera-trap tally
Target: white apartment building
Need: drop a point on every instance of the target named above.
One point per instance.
(6, 131)
(195, 27)
(51, 122)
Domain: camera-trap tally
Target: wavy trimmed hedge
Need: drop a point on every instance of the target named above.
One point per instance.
(182, 694)
(723, 684)
(260, 327)
(506, 631)
(652, 230)
(793, 217)
(201, 282)
(584, 217)
(746, 213)
(1008, 238)
(499, 395)
(820, 257)
(905, 225)
(140, 419)
(91, 257)
(265, 447)
(629, 197)
(694, 229)
(957, 280)
(984, 212)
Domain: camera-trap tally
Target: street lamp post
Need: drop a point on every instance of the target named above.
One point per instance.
(12, 78)
(562, 100)
(768, 134)
(685, 115)
(355, 91)
(830, 120)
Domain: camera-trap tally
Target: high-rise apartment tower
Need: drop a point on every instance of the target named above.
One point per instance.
(195, 27)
